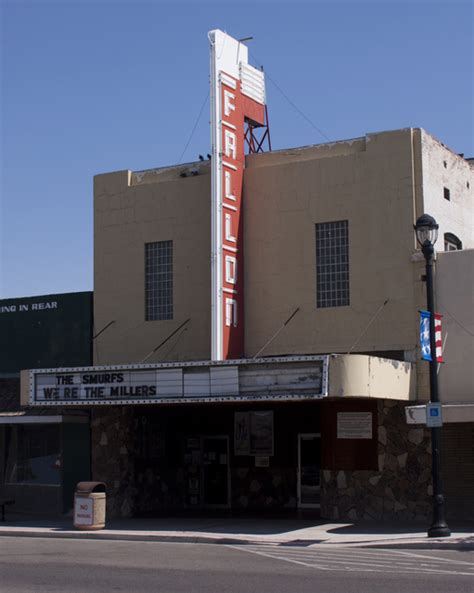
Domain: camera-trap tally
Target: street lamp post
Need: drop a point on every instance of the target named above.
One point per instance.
(426, 230)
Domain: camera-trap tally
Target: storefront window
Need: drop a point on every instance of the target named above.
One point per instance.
(33, 455)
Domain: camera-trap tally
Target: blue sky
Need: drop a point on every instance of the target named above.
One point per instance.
(90, 87)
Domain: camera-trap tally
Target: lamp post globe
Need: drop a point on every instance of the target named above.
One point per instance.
(426, 229)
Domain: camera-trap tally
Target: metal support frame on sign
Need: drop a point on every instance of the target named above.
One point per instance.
(255, 144)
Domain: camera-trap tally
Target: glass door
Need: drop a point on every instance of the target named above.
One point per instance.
(215, 472)
(309, 470)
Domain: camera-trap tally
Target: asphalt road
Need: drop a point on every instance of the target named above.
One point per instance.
(69, 566)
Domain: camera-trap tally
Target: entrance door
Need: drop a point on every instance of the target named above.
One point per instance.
(309, 470)
(215, 472)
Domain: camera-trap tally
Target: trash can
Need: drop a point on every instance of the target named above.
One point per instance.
(89, 505)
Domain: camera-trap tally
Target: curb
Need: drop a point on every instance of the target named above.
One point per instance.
(460, 546)
(226, 540)
(93, 535)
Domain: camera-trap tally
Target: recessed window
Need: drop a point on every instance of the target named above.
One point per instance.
(33, 455)
(451, 242)
(447, 194)
(445, 164)
(332, 264)
(159, 280)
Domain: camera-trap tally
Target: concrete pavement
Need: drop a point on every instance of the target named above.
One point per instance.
(35, 565)
(241, 530)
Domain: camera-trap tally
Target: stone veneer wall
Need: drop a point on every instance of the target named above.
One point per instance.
(112, 457)
(400, 489)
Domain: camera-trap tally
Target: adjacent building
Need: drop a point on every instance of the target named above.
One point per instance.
(455, 296)
(43, 451)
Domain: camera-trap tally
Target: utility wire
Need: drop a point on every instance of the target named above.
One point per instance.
(368, 325)
(96, 335)
(103, 329)
(455, 320)
(164, 341)
(194, 128)
(175, 343)
(292, 103)
(277, 332)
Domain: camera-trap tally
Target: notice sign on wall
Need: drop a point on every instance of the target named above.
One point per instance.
(241, 433)
(354, 425)
(253, 433)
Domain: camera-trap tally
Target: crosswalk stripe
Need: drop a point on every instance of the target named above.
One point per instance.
(438, 559)
(354, 553)
(335, 556)
(259, 553)
(324, 559)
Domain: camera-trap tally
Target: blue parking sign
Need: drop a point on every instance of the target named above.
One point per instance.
(433, 415)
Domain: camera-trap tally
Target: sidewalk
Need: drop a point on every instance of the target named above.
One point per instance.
(231, 530)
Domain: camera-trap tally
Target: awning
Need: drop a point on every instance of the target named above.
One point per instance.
(27, 417)
(456, 412)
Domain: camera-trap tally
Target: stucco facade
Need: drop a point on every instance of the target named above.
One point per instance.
(131, 210)
(455, 301)
(380, 184)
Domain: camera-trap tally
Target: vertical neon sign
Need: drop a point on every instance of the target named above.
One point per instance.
(237, 95)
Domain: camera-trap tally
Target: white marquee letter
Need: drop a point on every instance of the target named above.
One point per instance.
(228, 106)
(230, 144)
(228, 186)
(228, 229)
(230, 269)
(230, 312)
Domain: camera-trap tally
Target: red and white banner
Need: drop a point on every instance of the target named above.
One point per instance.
(237, 95)
(438, 337)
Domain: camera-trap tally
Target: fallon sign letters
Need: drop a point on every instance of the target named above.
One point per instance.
(237, 96)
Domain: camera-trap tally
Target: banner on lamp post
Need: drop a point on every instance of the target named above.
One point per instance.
(425, 346)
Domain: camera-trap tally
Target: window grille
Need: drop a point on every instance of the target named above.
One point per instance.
(332, 264)
(159, 280)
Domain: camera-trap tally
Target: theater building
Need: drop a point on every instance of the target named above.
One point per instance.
(257, 338)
